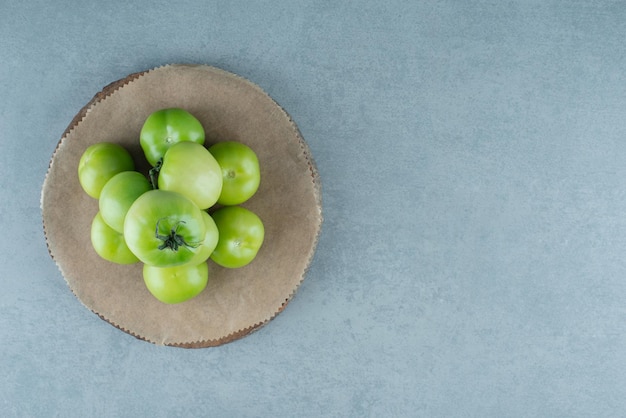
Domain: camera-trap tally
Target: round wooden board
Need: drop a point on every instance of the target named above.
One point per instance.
(236, 301)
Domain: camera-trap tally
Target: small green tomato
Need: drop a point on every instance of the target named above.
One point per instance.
(240, 171)
(99, 163)
(110, 244)
(164, 229)
(241, 234)
(176, 284)
(118, 194)
(167, 127)
(190, 169)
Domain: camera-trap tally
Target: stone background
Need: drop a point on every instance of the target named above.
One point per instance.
(472, 262)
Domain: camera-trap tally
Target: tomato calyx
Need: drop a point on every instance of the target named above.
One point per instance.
(154, 173)
(173, 240)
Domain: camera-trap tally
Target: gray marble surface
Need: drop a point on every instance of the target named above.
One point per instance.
(472, 262)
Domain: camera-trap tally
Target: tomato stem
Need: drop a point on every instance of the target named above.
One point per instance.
(173, 240)
(154, 174)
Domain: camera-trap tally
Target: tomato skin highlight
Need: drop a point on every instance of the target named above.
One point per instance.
(110, 244)
(167, 127)
(178, 284)
(241, 235)
(190, 169)
(118, 194)
(164, 228)
(99, 162)
(240, 171)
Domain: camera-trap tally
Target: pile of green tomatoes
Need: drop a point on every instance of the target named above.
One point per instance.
(162, 219)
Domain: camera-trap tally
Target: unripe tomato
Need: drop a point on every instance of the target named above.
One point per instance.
(167, 127)
(99, 163)
(176, 284)
(164, 229)
(241, 173)
(110, 244)
(190, 169)
(118, 194)
(241, 234)
(210, 240)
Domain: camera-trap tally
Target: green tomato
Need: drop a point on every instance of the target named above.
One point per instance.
(190, 169)
(240, 171)
(118, 194)
(167, 127)
(164, 229)
(99, 163)
(176, 284)
(210, 240)
(109, 244)
(241, 235)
